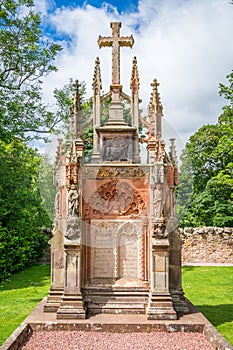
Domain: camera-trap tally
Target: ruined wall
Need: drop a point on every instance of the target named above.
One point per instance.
(207, 245)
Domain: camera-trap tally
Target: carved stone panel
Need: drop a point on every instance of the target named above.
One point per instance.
(117, 149)
(115, 198)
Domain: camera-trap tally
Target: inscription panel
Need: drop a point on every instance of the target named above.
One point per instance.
(116, 249)
(129, 251)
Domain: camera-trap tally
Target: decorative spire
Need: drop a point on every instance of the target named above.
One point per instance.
(155, 111)
(134, 84)
(172, 151)
(76, 97)
(59, 151)
(97, 83)
(75, 114)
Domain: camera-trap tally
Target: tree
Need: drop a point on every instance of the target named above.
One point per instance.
(22, 214)
(25, 59)
(206, 175)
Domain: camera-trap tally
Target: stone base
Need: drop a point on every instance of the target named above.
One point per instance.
(115, 301)
(179, 301)
(71, 307)
(160, 307)
(53, 300)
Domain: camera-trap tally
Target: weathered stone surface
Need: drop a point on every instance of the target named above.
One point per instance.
(207, 245)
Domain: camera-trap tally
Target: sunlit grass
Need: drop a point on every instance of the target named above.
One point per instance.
(210, 289)
(19, 295)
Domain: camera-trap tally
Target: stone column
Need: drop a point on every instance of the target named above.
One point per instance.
(175, 274)
(72, 303)
(160, 305)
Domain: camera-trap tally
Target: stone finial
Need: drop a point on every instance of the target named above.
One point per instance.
(97, 83)
(76, 97)
(155, 103)
(134, 84)
(75, 113)
(172, 151)
(155, 111)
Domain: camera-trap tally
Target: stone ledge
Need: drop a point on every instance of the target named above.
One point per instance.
(215, 338)
(17, 338)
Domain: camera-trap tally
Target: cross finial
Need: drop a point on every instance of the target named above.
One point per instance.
(115, 41)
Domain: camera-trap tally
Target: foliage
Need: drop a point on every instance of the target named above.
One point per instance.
(21, 211)
(19, 295)
(206, 176)
(46, 185)
(210, 290)
(25, 59)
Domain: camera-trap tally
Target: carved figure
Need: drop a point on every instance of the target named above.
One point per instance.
(73, 201)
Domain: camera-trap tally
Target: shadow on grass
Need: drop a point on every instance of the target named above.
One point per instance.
(217, 314)
(31, 276)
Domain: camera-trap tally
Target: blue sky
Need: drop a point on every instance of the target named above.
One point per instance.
(125, 5)
(184, 44)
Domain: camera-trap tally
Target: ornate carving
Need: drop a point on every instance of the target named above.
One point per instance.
(160, 150)
(113, 172)
(157, 202)
(73, 231)
(115, 198)
(160, 229)
(72, 164)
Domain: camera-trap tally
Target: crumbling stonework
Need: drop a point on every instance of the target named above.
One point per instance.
(207, 245)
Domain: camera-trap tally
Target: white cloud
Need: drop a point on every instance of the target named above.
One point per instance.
(186, 45)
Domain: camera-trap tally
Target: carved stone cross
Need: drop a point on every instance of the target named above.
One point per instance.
(115, 41)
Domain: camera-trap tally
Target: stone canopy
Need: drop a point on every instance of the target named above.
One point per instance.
(115, 248)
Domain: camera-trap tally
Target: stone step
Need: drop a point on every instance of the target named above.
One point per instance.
(117, 301)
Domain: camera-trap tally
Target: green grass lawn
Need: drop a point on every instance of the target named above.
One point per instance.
(209, 288)
(19, 295)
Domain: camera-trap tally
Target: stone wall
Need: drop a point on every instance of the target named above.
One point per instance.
(207, 245)
(200, 245)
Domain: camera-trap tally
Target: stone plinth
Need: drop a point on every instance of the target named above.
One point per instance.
(57, 270)
(160, 302)
(72, 302)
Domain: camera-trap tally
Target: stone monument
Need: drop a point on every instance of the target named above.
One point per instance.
(115, 248)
